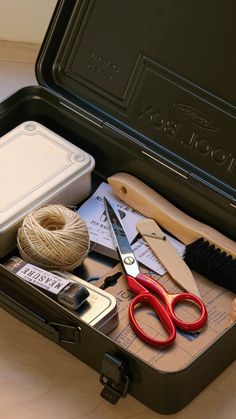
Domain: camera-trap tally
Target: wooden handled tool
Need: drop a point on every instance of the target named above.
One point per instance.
(232, 313)
(167, 255)
(144, 199)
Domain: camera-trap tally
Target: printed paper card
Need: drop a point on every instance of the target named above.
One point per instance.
(94, 214)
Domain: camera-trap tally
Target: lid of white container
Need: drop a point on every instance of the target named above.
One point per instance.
(35, 164)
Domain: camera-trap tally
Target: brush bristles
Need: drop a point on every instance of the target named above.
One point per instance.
(211, 262)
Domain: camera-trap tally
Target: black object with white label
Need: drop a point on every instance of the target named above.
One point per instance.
(71, 295)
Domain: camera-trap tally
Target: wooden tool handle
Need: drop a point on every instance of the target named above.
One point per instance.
(144, 199)
(232, 313)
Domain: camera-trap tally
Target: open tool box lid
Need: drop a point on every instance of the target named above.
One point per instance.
(160, 77)
(146, 88)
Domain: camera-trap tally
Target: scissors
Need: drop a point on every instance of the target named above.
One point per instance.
(140, 284)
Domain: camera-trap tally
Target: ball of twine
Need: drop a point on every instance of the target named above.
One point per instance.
(53, 237)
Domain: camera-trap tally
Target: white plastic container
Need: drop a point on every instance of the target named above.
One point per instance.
(38, 167)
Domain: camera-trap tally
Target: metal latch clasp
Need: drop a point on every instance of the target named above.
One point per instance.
(114, 378)
(63, 333)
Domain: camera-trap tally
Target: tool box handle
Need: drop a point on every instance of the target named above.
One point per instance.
(55, 331)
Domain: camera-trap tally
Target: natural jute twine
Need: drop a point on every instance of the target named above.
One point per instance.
(53, 237)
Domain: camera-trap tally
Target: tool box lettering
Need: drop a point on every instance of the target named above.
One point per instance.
(201, 144)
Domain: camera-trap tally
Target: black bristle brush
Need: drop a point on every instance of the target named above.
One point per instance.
(208, 252)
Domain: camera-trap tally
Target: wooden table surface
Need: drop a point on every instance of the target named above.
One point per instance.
(40, 380)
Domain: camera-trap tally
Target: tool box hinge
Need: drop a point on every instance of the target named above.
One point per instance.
(114, 378)
(64, 333)
(82, 113)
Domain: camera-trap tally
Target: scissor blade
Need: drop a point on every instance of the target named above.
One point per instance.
(121, 241)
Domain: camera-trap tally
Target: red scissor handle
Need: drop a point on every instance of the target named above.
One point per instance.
(183, 325)
(165, 311)
(171, 300)
(148, 298)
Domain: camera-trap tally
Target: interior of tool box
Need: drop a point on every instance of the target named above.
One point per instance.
(39, 105)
